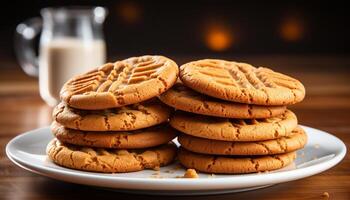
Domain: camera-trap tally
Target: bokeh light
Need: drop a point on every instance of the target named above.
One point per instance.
(218, 37)
(292, 29)
(130, 12)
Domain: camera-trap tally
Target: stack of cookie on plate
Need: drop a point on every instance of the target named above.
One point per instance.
(233, 117)
(110, 120)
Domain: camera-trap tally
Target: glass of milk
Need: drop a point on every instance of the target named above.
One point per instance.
(71, 43)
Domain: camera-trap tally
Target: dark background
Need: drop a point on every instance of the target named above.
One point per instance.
(206, 27)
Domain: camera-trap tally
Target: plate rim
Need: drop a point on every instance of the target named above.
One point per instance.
(259, 179)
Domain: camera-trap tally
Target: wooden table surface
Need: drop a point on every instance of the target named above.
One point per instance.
(326, 107)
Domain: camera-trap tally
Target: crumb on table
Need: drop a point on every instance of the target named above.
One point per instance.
(190, 173)
(325, 195)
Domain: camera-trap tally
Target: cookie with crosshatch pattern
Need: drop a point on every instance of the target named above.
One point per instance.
(285, 144)
(126, 118)
(109, 160)
(143, 138)
(125, 82)
(186, 99)
(234, 165)
(241, 82)
(235, 129)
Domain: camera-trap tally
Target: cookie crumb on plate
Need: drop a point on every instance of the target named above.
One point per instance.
(211, 176)
(190, 173)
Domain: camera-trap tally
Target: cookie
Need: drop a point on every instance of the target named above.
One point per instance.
(143, 138)
(108, 160)
(183, 98)
(234, 165)
(121, 83)
(286, 144)
(126, 118)
(241, 82)
(235, 129)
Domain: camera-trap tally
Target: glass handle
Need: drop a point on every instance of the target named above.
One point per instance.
(24, 45)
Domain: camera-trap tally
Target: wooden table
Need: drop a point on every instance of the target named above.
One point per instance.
(327, 107)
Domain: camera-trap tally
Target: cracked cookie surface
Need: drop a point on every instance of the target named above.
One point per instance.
(107, 160)
(235, 129)
(125, 82)
(241, 82)
(143, 138)
(285, 144)
(186, 99)
(234, 165)
(131, 117)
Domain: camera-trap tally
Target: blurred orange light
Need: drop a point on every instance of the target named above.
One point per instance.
(129, 11)
(292, 30)
(218, 37)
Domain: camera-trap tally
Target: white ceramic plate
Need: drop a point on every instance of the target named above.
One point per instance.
(322, 152)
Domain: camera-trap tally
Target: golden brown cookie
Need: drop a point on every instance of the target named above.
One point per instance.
(126, 118)
(286, 144)
(183, 98)
(235, 129)
(234, 165)
(143, 138)
(109, 160)
(241, 82)
(121, 83)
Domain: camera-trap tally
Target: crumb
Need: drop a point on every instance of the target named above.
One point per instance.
(190, 173)
(325, 195)
(178, 176)
(157, 168)
(211, 176)
(156, 176)
(156, 173)
(177, 167)
(169, 171)
(317, 146)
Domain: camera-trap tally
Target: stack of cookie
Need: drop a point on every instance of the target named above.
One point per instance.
(233, 117)
(110, 120)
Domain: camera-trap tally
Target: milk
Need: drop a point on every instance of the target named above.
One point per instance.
(62, 58)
